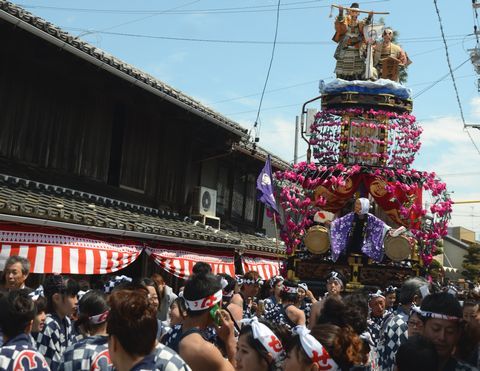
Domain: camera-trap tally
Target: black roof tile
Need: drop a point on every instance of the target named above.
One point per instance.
(32, 199)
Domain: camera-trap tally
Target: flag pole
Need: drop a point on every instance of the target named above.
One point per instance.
(276, 237)
(266, 196)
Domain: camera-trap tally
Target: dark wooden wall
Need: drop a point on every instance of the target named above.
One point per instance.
(67, 122)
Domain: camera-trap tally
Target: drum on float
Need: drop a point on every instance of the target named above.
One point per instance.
(398, 248)
(317, 240)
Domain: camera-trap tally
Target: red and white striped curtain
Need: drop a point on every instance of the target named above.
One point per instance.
(54, 252)
(180, 262)
(266, 268)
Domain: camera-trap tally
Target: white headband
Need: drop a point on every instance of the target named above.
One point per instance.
(81, 293)
(275, 280)
(99, 318)
(204, 303)
(427, 314)
(223, 282)
(365, 205)
(377, 294)
(334, 277)
(37, 293)
(390, 289)
(303, 286)
(239, 279)
(266, 337)
(249, 281)
(228, 294)
(290, 290)
(314, 350)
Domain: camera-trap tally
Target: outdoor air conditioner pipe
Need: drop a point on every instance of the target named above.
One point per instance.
(65, 46)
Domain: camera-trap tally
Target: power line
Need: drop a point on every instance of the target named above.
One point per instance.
(249, 9)
(453, 77)
(300, 103)
(104, 30)
(230, 41)
(308, 83)
(270, 91)
(256, 126)
(154, 11)
(441, 79)
(449, 63)
(215, 41)
(266, 109)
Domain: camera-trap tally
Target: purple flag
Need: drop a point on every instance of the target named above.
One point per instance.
(265, 187)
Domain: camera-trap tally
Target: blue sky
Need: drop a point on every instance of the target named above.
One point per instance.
(229, 75)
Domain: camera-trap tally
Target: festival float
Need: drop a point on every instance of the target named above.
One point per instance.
(356, 204)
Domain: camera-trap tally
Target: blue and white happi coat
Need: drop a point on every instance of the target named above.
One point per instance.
(18, 354)
(272, 309)
(54, 339)
(91, 353)
(392, 335)
(165, 359)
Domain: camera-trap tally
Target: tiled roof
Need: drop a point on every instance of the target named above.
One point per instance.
(26, 198)
(261, 154)
(52, 33)
(456, 241)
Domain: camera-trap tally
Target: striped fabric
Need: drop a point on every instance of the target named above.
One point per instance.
(180, 262)
(266, 268)
(52, 252)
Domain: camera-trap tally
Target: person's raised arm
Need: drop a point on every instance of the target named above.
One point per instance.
(201, 355)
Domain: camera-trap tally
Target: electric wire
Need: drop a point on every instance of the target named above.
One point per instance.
(300, 103)
(250, 9)
(256, 125)
(440, 80)
(104, 30)
(253, 42)
(152, 11)
(453, 77)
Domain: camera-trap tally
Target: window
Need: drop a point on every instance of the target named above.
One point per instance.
(223, 191)
(238, 195)
(250, 197)
(244, 197)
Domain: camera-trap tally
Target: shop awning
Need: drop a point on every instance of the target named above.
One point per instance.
(266, 268)
(179, 261)
(52, 252)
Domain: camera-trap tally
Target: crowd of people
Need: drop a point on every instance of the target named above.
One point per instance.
(219, 322)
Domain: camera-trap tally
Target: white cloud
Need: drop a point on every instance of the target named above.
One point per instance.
(234, 97)
(177, 57)
(449, 152)
(167, 69)
(443, 130)
(475, 103)
(278, 136)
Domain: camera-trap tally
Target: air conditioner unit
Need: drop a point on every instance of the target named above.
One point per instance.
(204, 201)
